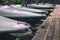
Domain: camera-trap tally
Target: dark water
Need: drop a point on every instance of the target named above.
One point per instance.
(32, 21)
(6, 36)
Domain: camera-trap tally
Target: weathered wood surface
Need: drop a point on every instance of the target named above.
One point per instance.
(50, 28)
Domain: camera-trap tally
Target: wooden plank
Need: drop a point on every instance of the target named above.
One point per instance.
(50, 32)
(59, 29)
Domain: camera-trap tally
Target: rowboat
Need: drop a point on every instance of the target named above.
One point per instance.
(10, 12)
(19, 7)
(8, 25)
(47, 7)
(41, 6)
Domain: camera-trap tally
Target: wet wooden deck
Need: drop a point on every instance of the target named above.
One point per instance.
(50, 28)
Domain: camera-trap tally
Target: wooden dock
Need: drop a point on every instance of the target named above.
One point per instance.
(50, 28)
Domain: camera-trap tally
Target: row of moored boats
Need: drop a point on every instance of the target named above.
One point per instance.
(18, 11)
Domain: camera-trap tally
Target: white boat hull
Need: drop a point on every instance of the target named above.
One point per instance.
(7, 24)
(41, 6)
(19, 7)
(8, 12)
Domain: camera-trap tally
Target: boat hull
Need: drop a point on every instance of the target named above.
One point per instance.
(9, 25)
